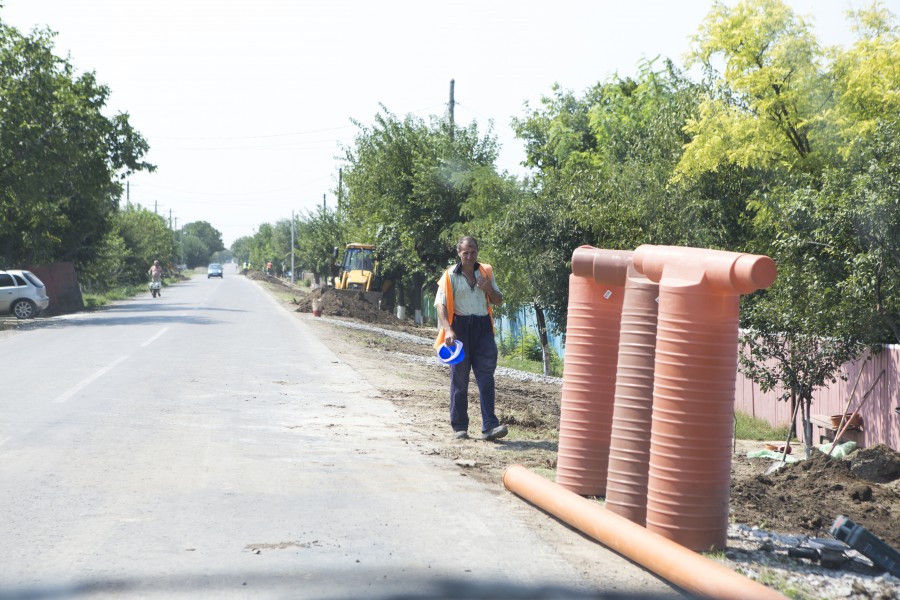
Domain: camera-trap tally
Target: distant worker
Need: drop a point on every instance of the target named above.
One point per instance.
(269, 268)
(466, 292)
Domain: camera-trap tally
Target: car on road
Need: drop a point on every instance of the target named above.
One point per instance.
(214, 270)
(22, 294)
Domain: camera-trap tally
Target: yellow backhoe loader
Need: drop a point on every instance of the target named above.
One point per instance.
(359, 272)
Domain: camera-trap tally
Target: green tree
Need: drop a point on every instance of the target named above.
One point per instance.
(785, 114)
(208, 235)
(799, 333)
(241, 249)
(521, 239)
(860, 217)
(262, 249)
(193, 250)
(603, 163)
(761, 112)
(281, 246)
(865, 78)
(317, 234)
(147, 238)
(406, 181)
(61, 159)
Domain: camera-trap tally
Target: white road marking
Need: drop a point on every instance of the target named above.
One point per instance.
(155, 337)
(86, 382)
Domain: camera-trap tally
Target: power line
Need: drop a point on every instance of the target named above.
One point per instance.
(253, 137)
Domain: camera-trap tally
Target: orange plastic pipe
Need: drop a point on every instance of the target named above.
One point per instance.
(596, 291)
(629, 451)
(693, 392)
(671, 561)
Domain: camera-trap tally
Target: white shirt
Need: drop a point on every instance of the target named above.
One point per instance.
(467, 300)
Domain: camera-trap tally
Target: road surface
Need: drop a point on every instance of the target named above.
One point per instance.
(207, 444)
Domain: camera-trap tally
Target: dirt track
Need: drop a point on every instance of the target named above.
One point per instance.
(800, 499)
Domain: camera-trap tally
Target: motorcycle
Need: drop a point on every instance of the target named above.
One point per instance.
(156, 288)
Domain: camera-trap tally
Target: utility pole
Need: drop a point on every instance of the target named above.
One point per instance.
(292, 247)
(452, 107)
(323, 202)
(170, 220)
(340, 188)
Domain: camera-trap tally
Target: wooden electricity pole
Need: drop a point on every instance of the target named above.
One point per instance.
(452, 107)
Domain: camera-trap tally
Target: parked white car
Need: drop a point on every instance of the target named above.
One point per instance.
(23, 294)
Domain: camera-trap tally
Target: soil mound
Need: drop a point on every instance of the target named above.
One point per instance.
(809, 495)
(354, 305)
(878, 463)
(260, 276)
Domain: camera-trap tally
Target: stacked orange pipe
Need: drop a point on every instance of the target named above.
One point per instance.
(693, 393)
(596, 291)
(629, 451)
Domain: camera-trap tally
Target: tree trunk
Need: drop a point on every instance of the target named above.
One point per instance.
(401, 292)
(794, 413)
(542, 334)
(415, 300)
(807, 425)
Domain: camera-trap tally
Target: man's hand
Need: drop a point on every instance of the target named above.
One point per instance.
(486, 286)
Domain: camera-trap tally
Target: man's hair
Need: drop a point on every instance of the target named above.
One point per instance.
(464, 239)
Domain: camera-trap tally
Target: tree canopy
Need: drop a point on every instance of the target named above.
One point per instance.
(62, 161)
(783, 147)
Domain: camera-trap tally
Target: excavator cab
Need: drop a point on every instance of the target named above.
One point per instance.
(359, 273)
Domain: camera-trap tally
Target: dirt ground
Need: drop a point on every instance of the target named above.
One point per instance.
(803, 498)
(800, 499)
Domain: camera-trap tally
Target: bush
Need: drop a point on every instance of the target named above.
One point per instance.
(524, 353)
(526, 346)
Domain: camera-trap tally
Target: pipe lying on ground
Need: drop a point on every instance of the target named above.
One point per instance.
(671, 561)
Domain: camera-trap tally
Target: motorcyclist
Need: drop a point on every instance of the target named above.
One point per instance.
(155, 273)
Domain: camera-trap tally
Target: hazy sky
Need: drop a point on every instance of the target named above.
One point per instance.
(246, 104)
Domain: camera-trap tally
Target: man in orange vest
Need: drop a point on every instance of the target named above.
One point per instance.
(466, 293)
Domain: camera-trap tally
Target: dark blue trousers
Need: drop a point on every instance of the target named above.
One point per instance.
(477, 336)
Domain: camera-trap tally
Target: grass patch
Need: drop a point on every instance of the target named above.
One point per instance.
(751, 428)
(97, 299)
(529, 366)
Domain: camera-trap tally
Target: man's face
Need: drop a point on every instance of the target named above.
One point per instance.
(468, 253)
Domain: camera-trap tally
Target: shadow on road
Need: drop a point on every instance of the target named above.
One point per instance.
(125, 313)
(331, 585)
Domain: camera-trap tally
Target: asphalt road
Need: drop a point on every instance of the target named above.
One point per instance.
(207, 444)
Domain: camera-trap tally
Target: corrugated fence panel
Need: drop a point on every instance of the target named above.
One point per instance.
(881, 424)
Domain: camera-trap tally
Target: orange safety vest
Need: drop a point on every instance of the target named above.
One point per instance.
(444, 284)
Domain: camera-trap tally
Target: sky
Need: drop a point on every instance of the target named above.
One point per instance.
(246, 105)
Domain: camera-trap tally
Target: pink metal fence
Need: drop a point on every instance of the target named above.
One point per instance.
(881, 424)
